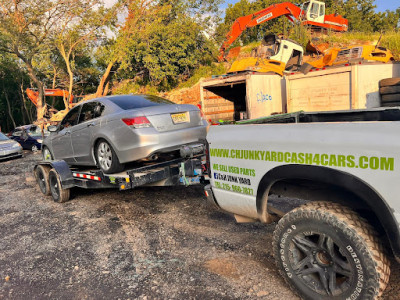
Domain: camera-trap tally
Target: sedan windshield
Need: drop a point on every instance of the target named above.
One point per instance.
(35, 131)
(3, 137)
(138, 101)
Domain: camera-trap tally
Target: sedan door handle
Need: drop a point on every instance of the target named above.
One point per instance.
(67, 132)
(90, 124)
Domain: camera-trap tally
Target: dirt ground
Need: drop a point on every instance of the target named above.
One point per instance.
(148, 243)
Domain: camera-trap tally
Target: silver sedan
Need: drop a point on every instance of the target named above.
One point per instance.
(9, 148)
(114, 130)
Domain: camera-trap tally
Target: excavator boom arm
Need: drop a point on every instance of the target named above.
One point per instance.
(33, 95)
(290, 10)
(257, 18)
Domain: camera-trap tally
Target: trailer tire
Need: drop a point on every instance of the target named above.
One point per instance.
(59, 194)
(42, 179)
(386, 90)
(327, 251)
(389, 82)
(390, 98)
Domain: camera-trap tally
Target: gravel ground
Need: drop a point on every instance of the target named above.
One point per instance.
(148, 243)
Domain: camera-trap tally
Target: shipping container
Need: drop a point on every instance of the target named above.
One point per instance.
(253, 95)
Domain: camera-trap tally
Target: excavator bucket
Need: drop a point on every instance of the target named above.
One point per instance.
(348, 55)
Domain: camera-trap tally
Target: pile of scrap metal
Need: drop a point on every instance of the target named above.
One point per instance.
(333, 56)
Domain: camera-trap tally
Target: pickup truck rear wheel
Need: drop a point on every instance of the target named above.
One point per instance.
(389, 82)
(327, 251)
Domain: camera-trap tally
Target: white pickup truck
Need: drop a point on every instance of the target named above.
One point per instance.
(346, 167)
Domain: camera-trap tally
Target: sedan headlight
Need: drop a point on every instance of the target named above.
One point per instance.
(16, 145)
(39, 141)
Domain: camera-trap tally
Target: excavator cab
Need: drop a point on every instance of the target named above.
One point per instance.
(314, 11)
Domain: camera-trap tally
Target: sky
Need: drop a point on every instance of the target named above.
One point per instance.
(381, 5)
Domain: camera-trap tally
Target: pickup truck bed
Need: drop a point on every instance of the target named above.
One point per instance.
(345, 164)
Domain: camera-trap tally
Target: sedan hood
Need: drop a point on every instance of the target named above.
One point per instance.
(7, 144)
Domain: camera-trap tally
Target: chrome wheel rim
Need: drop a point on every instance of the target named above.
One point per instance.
(34, 148)
(104, 155)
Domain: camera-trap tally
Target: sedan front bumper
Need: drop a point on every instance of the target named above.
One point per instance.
(10, 153)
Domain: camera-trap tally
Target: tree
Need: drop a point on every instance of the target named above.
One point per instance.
(26, 28)
(158, 37)
(30, 29)
(360, 14)
(13, 110)
(85, 23)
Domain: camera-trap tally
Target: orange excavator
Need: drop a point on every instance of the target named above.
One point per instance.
(53, 114)
(311, 13)
(33, 95)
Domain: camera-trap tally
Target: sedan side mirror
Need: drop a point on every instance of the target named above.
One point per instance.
(52, 128)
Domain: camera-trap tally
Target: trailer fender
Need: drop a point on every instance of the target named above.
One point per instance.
(63, 170)
(346, 181)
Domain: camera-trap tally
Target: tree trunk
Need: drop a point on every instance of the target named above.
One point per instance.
(41, 105)
(25, 109)
(66, 57)
(8, 106)
(105, 79)
(54, 85)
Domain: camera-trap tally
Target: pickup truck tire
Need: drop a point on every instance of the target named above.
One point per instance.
(390, 104)
(327, 251)
(389, 82)
(386, 90)
(390, 98)
(59, 194)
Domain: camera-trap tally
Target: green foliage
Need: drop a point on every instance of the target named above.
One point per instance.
(12, 77)
(360, 14)
(167, 48)
(130, 87)
(204, 72)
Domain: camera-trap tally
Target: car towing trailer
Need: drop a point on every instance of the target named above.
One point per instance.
(56, 178)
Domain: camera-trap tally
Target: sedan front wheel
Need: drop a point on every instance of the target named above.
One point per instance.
(107, 159)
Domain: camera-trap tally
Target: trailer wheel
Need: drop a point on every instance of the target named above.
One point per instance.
(390, 98)
(42, 179)
(327, 251)
(57, 192)
(389, 82)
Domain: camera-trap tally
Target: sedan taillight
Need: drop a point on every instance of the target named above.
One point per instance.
(138, 122)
